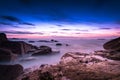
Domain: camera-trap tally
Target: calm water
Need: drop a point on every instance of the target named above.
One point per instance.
(75, 45)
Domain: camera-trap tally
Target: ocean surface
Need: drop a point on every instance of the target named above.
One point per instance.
(75, 45)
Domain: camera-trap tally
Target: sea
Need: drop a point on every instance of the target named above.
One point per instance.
(73, 45)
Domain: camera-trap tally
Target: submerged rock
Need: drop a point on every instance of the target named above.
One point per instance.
(112, 45)
(42, 51)
(10, 72)
(58, 44)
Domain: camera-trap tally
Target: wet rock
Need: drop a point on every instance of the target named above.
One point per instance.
(52, 40)
(7, 55)
(10, 72)
(112, 45)
(113, 55)
(43, 41)
(17, 47)
(31, 41)
(42, 51)
(58, 44)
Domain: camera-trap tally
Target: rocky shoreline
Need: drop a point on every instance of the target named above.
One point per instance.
(99, 65)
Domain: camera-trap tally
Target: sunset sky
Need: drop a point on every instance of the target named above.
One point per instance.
(60, 18)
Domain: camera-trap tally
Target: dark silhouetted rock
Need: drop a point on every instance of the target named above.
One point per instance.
(31, 41)
(10, 72)
(52, 40)
(112, 45)
(17, 47)
(7, 55)
(43, 50)
(43, 41)
(3, 37)
(58, 44)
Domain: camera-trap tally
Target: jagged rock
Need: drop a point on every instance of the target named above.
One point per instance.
(46, 76)
(43, 50)
(17, 47)
(112, 45)
(10, 72)
(113, 55)
(7, 55)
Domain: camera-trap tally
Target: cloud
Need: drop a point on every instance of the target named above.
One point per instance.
(22, 32)
(66, 29)
(105, 28)
(59, 25)
(26, 23)
(12, 19)
(54, 32)
(81, 30)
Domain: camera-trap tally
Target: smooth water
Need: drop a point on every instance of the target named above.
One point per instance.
(75, 45)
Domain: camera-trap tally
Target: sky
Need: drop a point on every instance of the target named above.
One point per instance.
(60, 18)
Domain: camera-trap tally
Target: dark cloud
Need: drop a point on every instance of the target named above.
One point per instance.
(22, 32)
(8, 20)
(59, 25)
(105, 28)
(26, 23)
(66, 29)
(11, 18)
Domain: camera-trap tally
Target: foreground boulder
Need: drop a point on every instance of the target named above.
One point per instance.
(7, 55)
(42, 50)
(112, 45)
(10, 72)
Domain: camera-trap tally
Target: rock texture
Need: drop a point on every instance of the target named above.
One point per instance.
(113, 45)
(100, 65)
(42, 51)
(10, 72)
(17, 47)
(7, 55)
(77, 66)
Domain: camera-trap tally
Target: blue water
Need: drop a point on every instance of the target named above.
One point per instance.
(75, 45)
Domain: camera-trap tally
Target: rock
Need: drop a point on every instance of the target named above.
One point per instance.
(58, 44)
(108, 54)
(112, 45)
(7, 55)
(43, 41)
(31, 41)
(17, 47)
(46, 76)
(3, 37)
(43, 50)
(10, 72)
(52, 40)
